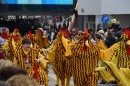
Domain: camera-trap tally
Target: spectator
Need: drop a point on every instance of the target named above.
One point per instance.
(110, 40)
(5, 63)
(4, 83)
(22, 80)
(9, 71)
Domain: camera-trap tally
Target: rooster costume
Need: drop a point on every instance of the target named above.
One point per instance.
(56, 57)
(9, 46)
(26, 60)
(84, 55)
(121, 69)
(41, 40)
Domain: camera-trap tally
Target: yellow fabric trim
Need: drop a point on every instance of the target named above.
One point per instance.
(51, 54)
(5, 46)
(13, 44)
(105, 74)
(106, 55)
(25, 51)
(102, 45)
(121, 74)
(43, 61)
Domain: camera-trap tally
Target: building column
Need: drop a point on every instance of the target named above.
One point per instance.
(81, 22)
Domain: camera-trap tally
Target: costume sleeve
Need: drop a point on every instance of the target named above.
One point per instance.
(43, 61)
(51, 54)
(121, 74)
(48, 48)
(5, 46)
(106, 55)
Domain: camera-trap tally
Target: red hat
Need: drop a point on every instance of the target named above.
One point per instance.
(4, 34)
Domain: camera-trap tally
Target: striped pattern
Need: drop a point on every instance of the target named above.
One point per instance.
(19, 54)
(123, 59)
(84, 64)
(10, 51)
(59, 61)
(120, 53)
(38, 39)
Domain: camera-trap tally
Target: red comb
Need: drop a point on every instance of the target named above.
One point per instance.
(65, 32)
(16, 29)
(86, 32)
(127, 32)
(30, 34)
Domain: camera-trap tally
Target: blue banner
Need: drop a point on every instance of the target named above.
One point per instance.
(38, 2)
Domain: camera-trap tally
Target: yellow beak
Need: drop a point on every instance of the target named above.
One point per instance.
(86, 43)
(128, 42)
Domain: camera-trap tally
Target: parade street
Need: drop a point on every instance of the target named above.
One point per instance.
(52, 79)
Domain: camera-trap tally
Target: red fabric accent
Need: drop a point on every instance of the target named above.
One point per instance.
(127, 32)
(86, 32)
(84, 48)
(30, 34)
(36, 73)
(65, 32)
(16, 38)
(16, 29)
(43, 39)
(4, 34)
(128, 49)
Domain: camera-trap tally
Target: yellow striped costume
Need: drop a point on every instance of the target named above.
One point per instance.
(59, 61)
(19, 57)
(120, 70)
(118, 57)
(41, 40)
(9, 47)
(84, 63)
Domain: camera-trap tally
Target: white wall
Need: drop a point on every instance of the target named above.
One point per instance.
(124, 20)
(115, 6)
(99, 7)
(91, 7)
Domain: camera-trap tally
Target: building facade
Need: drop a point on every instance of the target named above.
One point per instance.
(92, 11)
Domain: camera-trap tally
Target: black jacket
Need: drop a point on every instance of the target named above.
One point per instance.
(110, 41)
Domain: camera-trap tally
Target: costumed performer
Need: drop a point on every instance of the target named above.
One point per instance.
(40, 39)
(120, 71)
(32, 61)
(85, 57)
